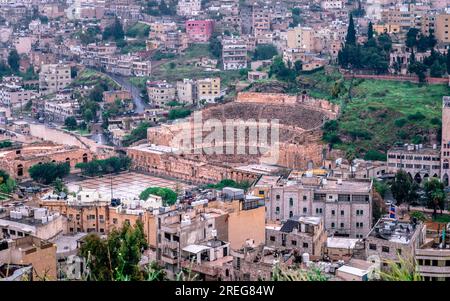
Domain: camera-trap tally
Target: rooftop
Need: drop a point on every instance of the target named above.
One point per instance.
(394, 231)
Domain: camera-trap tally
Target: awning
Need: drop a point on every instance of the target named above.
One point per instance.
(195, 249)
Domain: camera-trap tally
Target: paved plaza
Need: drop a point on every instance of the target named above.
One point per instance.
(125, 185)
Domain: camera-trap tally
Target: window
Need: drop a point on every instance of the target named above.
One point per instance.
(294, 242)
(333, 212)
(342, 212)
(277, 197)
(291, 202)
(342, 225)
(305, 245)
(115, 221)
(12, 232)
(277, 210)
(305, 198)
(261, 192)
(399, 251)
(332, 225)
(291, 214)
(305, 210)
(373, 247)
(385, 249)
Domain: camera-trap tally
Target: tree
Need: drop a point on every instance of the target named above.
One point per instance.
(100, 167)
(118, 256)
(435, 195)
(411, 37)
(139, 133)
(169, 197)
(265, 52)
(7, 184)
(179, 113)
(47, 173)
(436, 69)
(59, 186)
(70, 123)
(14, 60)
(298, 66)
(370, 31)
(114, 31)
(402, 187)
(88, 115)
(418, 68)
(215, 46)
(448, 61)
(350, 39)
(96, 93)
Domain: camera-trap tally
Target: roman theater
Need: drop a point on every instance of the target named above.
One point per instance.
(298, 142)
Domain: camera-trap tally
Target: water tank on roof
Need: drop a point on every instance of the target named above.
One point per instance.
(305, 257)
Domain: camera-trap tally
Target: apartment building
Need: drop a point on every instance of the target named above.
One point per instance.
(344, 204)
(445, 142)
(208, 89)
(189, 8)
(391, 239)
(261, 24)
(418, 161)
(160, 93)
(332, 4)
(301, 37)
(306, 234)
(442, 28)
(199, 31)
(186, 91)
(60, 110)
(13, 96)
(54, 78)
(234, 54)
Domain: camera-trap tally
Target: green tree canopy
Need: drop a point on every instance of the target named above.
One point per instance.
(434, 194)
(169, 197)
(47, 173)
(14, 60)
(350, 39)
(265, 52)
(70, 123)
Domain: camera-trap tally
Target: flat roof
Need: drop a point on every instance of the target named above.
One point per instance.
(195, 248)
(341, 242)
(352, 270)
(153, 148)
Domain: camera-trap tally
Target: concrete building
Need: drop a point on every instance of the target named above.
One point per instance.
(421, 163)
(234, 54)
(111, 96)
(332, 4)
(30, 250)
(60, 110)
(433, 257)
(208, 89)
(301, 37)
(304, 234)
(442, 28)
(199, 31)
(391, 238)
(344, 205)
(160, 93)
(186, 91)
(13, 96)
(261, 24)
(257, 75)
(25, 221)
(445, 144)
(54, 78)
(189, 7)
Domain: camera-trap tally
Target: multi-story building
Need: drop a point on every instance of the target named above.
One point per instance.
(31, 250)
(391, 239)
(199, 31)
(54, 78)
(261, 24)
(433, 257)
(160, 93)
(305, 234)
(445, 144)
(208, 89)
(442, 28)
(60, 110)
(344, 205)
(186, 91)
(234, 54)
(189, 7)
(419, 162)
(332, 4)
(24, 221)
(13, 96)
(301, 37)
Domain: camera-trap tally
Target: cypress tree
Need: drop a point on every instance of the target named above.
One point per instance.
(370, 31)
(350, 39)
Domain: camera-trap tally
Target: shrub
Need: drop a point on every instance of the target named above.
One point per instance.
(168, 196)
(400, 122)
(416, 116)
(374, 155)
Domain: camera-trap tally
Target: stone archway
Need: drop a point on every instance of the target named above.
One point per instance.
(418, 178)
(426, 177)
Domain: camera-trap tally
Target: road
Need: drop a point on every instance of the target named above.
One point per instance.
(125, 83)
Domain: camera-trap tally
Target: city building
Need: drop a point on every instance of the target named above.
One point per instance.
(391, 239)
(442, 28)
(189, 8)
(421, 163)
(54, 78)
(305, 234)
(199, 31)
(186, 91)
(344, 204)
(445, 144)
(13, 96)
(208, 89)
(160, 93)
(234, 54)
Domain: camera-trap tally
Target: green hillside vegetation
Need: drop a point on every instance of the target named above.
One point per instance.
(379, 113)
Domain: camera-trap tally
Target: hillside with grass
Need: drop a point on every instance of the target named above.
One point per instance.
(377, 114)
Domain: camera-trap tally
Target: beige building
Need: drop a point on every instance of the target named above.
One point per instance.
(208, 89)
(234, 54)
(445, 144)
(161, 93)
(442, 28)
(54, 78)
(13, 96)
(33, 251)
(189, 7)
(186, 91)
(301, 37)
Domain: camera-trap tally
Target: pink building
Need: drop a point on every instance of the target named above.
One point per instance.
(199, 30)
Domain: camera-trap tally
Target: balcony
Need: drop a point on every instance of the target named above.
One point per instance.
(170, 244)
(169, 259)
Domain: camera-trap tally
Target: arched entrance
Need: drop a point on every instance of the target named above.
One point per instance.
(20, 170)
(418, 178)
